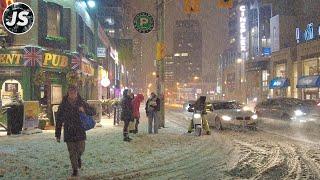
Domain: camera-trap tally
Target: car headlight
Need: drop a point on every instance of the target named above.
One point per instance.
(197, 116)
(254, 116)
(298, 113)
(226, 118)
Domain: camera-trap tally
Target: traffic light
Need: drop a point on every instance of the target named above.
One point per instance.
(192, 6)
(160, 51)
(225, 4)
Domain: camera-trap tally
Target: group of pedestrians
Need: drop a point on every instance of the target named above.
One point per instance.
(72, 105)
(130, 113)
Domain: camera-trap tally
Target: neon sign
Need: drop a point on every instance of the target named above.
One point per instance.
(243, 29)
(311, 32)
(308, 33)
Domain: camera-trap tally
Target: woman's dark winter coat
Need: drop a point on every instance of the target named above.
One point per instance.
(68, 115)
(126, 107)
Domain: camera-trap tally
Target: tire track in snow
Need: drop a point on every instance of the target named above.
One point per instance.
(276, 159)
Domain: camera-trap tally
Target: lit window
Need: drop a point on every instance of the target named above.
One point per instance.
(53, 21)
(184, 54)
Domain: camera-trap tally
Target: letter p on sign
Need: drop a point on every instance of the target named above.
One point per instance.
(143, 21)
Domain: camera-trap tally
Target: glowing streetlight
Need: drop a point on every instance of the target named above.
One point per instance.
(149, 85)
(196, 78)
(154, 73)
(178, 84)
(239, 60)
(91, 4)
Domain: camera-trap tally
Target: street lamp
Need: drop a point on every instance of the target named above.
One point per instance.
(149, 85)
(239, 60)
(91, 3)
(154, 73)
(196, 78)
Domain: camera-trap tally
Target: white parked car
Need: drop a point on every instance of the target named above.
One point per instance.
(223, 114)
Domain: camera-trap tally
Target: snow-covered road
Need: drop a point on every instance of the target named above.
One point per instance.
(275, 151)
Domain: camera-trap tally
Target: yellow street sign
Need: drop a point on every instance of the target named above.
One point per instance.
(225, 4)
(160, 51)
(192, 6)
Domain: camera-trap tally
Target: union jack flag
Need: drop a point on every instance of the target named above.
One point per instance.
(32, 56)
(75, 62)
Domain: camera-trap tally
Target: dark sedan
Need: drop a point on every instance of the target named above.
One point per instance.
(290, 109)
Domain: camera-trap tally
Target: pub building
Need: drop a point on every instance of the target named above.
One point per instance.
(34, 74)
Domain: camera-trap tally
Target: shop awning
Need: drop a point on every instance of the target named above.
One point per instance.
(309, 82)
(278, 83)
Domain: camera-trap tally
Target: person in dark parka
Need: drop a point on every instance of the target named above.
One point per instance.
(126, 113)
(68, 115)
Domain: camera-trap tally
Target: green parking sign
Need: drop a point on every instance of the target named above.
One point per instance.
(143, 22)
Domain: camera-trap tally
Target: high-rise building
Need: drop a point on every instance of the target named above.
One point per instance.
(169, 76)
(187, 45)
(111, 14)
(244, 63)
(187, 48)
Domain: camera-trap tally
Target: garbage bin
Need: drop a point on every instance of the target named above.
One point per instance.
(14, 119)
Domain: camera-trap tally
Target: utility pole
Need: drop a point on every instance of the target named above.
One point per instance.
(160, 62)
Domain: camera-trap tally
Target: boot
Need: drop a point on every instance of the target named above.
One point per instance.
(127, 139)
(135, 131)
(75, 172)
(79, 163)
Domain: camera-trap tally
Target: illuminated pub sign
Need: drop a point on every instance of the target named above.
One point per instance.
(55, 60)
(11, 58)
(312, 31)
(33, 57)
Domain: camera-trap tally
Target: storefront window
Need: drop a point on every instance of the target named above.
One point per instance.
(295, 80)
(310, 67)
(281, 70)
(53, 22)
(265, 75)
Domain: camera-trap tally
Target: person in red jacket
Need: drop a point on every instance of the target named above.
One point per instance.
(136, 113)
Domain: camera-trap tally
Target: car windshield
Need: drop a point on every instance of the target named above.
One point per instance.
(226, 105)
(292, 102)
